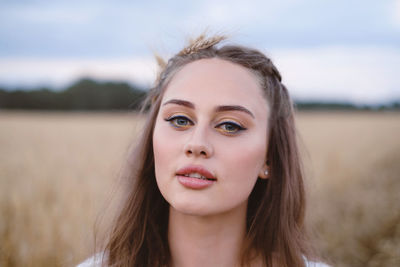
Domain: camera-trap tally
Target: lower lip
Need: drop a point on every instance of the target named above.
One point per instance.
(194, 183)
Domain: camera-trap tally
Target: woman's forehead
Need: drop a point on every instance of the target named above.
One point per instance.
(216, 70)
(216, 81)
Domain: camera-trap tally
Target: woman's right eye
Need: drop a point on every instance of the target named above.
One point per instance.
(180, 122)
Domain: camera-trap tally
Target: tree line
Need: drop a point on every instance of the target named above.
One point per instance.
(88, 94)
(85, 94)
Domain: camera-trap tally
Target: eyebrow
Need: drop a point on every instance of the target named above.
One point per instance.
(217, 109)
(180, 102)
(234, 108)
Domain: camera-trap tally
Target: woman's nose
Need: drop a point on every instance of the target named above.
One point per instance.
(198, 144)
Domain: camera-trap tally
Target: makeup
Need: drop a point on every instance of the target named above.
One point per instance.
(210, 138)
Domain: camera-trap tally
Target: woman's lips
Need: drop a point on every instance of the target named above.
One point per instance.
(195, 177)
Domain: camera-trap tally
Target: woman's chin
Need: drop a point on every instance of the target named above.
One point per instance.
(191, 209)
(206, 209)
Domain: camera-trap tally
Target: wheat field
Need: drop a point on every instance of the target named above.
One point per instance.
(58, 172)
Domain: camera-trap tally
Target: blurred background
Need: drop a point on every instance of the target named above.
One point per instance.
(72, 74)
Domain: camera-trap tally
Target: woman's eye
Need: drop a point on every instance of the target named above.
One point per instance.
(229, 127)
(179, 121)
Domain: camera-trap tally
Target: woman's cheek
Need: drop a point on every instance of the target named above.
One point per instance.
(161, 147)
(250, 150)
(166, 148)
(245, 164)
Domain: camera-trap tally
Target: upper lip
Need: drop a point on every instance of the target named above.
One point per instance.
(196, 168)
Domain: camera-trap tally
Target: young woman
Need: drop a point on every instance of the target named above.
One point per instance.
(216, 178)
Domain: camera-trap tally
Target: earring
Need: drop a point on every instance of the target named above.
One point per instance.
(266, 172)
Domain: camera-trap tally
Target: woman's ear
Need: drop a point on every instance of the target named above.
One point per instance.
(264, 172)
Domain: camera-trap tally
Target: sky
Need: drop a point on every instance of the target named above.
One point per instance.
(326, 50)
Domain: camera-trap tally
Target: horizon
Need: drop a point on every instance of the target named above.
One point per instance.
(301, 101)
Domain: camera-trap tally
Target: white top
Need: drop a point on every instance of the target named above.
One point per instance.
(316, 264)
(95, 261)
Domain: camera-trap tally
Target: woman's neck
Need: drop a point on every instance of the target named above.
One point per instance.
(214, 240)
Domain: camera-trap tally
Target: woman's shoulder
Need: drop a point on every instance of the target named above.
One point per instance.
(315, 264)
(94, 261)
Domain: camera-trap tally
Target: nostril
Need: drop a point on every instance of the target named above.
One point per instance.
(197, 150)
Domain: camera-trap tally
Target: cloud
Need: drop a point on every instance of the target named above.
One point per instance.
(50, 12)
(396, 12)
(359, 74)
(121, 28)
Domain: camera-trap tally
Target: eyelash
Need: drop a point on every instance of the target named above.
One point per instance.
(237, 126)
(173, 119)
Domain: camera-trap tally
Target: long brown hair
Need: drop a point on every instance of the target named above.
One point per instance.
(276, 206)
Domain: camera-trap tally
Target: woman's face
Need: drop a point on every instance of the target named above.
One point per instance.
(210, 137)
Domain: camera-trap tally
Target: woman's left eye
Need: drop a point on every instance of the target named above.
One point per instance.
(229, 127)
